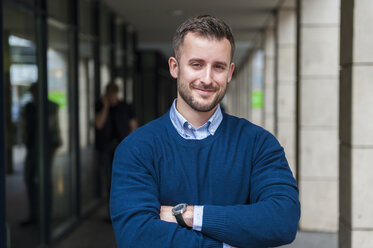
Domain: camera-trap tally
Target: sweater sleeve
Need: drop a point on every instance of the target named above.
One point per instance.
(135, 206)
(271, 216)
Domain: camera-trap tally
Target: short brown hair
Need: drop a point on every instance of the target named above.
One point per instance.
(112, 87)
(206, 26)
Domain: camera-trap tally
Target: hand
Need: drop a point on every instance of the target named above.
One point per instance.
(105, 101)
(166, 215)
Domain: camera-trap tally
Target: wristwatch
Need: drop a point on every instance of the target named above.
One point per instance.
(178, 211)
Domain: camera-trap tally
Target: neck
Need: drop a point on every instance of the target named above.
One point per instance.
(196, 118)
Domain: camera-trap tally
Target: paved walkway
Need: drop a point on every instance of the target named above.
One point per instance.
(96, 232)
(314, 240)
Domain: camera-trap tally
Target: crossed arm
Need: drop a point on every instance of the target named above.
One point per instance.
(139, 219)
(166, 215)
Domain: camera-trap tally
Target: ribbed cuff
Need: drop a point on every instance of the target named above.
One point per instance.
(214, 222)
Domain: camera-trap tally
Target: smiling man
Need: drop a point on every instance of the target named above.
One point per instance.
(197, 177)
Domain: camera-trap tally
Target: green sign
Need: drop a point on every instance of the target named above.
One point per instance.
(58, 97)
(257, 99)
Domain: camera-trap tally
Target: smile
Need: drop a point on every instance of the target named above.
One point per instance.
(205, 90)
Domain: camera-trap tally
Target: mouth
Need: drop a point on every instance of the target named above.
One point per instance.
(204, 92)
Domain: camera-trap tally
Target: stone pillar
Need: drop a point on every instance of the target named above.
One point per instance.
(269, 79)
(356, 128)
(286, 80)
(318, 82)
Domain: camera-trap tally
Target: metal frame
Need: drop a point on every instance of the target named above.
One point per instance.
(44, 154)
(112, 63)
(297, 93)
(73, 90)
(3, 238)
(276, 73)
(96, 49)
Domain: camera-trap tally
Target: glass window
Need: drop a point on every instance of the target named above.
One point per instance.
(119, 50)
(58, 85)
(89, 170)
(104, 24)
(130, 64)
(85, 16)
(105, 47)
(28, 2)
(59, 9)
(119, 55)
(20, 72)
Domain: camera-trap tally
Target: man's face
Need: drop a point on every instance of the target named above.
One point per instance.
(113, 98)
(203, 69)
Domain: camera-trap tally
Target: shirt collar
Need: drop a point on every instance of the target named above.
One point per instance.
(182, 125)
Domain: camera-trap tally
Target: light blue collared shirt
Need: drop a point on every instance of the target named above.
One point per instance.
(187, 131)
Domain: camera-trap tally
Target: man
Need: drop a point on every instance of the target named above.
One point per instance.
(114, 121)
(231, 175)
(31, 141)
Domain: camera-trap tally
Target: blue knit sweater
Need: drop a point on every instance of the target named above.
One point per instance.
(240, 175)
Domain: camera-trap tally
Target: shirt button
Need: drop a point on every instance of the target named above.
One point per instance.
(190, 126)
(212, 130)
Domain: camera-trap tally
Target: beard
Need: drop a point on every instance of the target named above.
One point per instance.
(186, 95)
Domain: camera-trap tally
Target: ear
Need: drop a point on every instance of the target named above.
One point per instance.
(230, 73)
(174, 67)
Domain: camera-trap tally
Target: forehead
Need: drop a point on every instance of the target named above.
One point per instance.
(198, 46)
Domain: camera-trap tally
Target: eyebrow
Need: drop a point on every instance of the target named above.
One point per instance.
(202, 61)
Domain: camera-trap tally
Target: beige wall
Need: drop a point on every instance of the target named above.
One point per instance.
(356, 128)
(318, 127)
(286, 81)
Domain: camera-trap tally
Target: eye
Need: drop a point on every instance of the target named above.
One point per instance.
(220, 67)
(196, 65)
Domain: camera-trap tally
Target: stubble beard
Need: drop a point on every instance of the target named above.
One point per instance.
(193, 103)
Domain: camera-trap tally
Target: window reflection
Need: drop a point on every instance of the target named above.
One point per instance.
(61, 166)
(21, 71)
(89, 170)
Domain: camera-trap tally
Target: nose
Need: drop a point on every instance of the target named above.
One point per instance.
(207, 75)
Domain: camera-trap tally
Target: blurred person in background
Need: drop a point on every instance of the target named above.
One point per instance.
(31, 139)
(114, 120)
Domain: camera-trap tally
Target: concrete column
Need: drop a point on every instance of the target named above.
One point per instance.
(356, 128)
(269, 79)
(318, 56)
(286, 80)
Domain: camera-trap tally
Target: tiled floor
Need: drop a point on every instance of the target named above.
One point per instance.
(94, 232)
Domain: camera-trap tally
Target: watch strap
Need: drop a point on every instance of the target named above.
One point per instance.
(180, 220)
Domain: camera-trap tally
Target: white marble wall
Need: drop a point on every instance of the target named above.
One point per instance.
(356, 128)
(318, 127)
(286, 80)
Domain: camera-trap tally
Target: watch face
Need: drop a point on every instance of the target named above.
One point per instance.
(179, 208)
